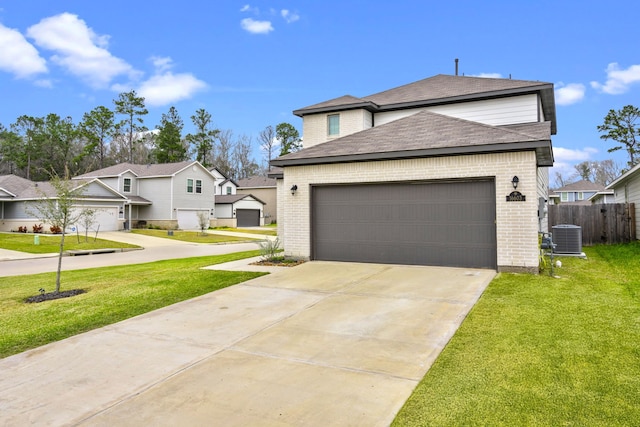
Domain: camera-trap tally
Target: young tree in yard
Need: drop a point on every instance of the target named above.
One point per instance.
(203, 141)
(98, 128)
(268, 144)
(288, 137)
(57, 209)
(203, 221)
(622, 127)
(87, 217)
(169, 146)
(130, 105)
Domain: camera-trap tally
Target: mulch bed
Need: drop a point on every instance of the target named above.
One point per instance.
(54, 295)
(286, 262)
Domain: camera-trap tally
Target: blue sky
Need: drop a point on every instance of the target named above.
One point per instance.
(251, 64)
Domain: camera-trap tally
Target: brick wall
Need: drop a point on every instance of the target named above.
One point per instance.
(516, 222)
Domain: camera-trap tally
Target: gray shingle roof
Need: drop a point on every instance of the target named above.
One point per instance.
(142, 171)
(426, 134)
(582, 185)
(228, 199)
(256, 182)
(440, 89)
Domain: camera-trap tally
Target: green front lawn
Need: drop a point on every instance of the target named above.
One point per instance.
(113, 294)
(271, 231)
(191, 236)
(51, 243)
(541, 351)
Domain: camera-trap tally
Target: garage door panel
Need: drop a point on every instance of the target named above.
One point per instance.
(445, 223)
(248, 217)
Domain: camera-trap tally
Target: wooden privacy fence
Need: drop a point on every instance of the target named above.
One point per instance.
(605, 223)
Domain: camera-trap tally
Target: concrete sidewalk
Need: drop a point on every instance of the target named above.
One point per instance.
(322, 343)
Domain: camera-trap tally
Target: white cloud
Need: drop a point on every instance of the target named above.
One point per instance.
(569, 94)
(489, 75)
(249, 8)
(289, 16)
(256, 27)
(565, 159)
(46, 83)
(162, 63)
(618, 80)
(18, 56)
(79, 49)
(166, 88)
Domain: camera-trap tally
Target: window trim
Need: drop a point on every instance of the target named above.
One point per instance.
(564, 196)
(329, 127)
(580, 196)
(229, 190)
(124, 185)
(198, 189)
(189, 185)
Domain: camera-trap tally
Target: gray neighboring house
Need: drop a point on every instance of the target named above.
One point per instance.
(263, 188)
(19, 197)
(168, 195)
(422, 174)
(626, 189)
(577, 193)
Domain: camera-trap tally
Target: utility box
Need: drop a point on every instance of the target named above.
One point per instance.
(567, 238)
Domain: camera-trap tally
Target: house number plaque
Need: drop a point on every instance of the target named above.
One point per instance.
(516, 196)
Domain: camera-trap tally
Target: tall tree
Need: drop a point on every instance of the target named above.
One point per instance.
(130, 105)
(169, 146)
(224, 152)
(59, 137)
(98, 128)
(268, 144)
(10, 148)
(288, 137)
(244, 166)
(203, 140)
(29, 130)
(601, 172)
(622, 127)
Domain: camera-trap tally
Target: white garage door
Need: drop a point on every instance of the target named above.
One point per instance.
(188, 219)
(105, 219)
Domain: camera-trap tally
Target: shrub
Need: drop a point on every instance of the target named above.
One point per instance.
(37, 228)
(269, 248)
(22, 229)
(55, 229)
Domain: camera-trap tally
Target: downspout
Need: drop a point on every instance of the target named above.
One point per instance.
(171, 204)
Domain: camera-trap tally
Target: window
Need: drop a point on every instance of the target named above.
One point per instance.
(228, 190)
(189, 186)
(198, 186)
(126, 187)
(580, 196)
(333, 124)
(564, 196)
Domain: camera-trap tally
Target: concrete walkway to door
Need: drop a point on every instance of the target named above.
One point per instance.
(319, 344)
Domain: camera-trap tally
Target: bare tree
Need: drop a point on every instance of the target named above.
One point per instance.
(224, 152)
(268, 144)
(203, 221)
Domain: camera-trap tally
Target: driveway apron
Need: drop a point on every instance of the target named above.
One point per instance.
(323, 343)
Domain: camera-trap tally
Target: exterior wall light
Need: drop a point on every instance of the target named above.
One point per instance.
(294, 188)
(515, 182)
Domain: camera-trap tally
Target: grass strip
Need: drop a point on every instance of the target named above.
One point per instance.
(51, 243)
(191, 236)
(542, 351)
(113, 294)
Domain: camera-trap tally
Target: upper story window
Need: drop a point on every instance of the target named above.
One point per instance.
(126, 186)
(580, 196)
(333, 124)
(190, 186)
(228, 190)
(564, 196)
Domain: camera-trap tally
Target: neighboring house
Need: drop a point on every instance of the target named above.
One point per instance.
(626, 189)
(224, 184)
(168, 195)
(264, 188)
(422, 174)
(19, 198)
(576, 193)
(603, 197)
(239, 210)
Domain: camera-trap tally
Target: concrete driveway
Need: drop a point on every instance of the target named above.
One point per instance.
(322, 343)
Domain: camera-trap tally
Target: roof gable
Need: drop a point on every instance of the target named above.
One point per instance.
(257, 182)
(580, 186)
(229, 199)
(625, 177)
(142, 171)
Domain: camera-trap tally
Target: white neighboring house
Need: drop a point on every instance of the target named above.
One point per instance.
(168, 195)
(19, 198)
(626, 189)
(424, 174)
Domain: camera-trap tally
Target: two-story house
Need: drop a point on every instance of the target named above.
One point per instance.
(577, 193)
(168, 195)
(445, 171)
